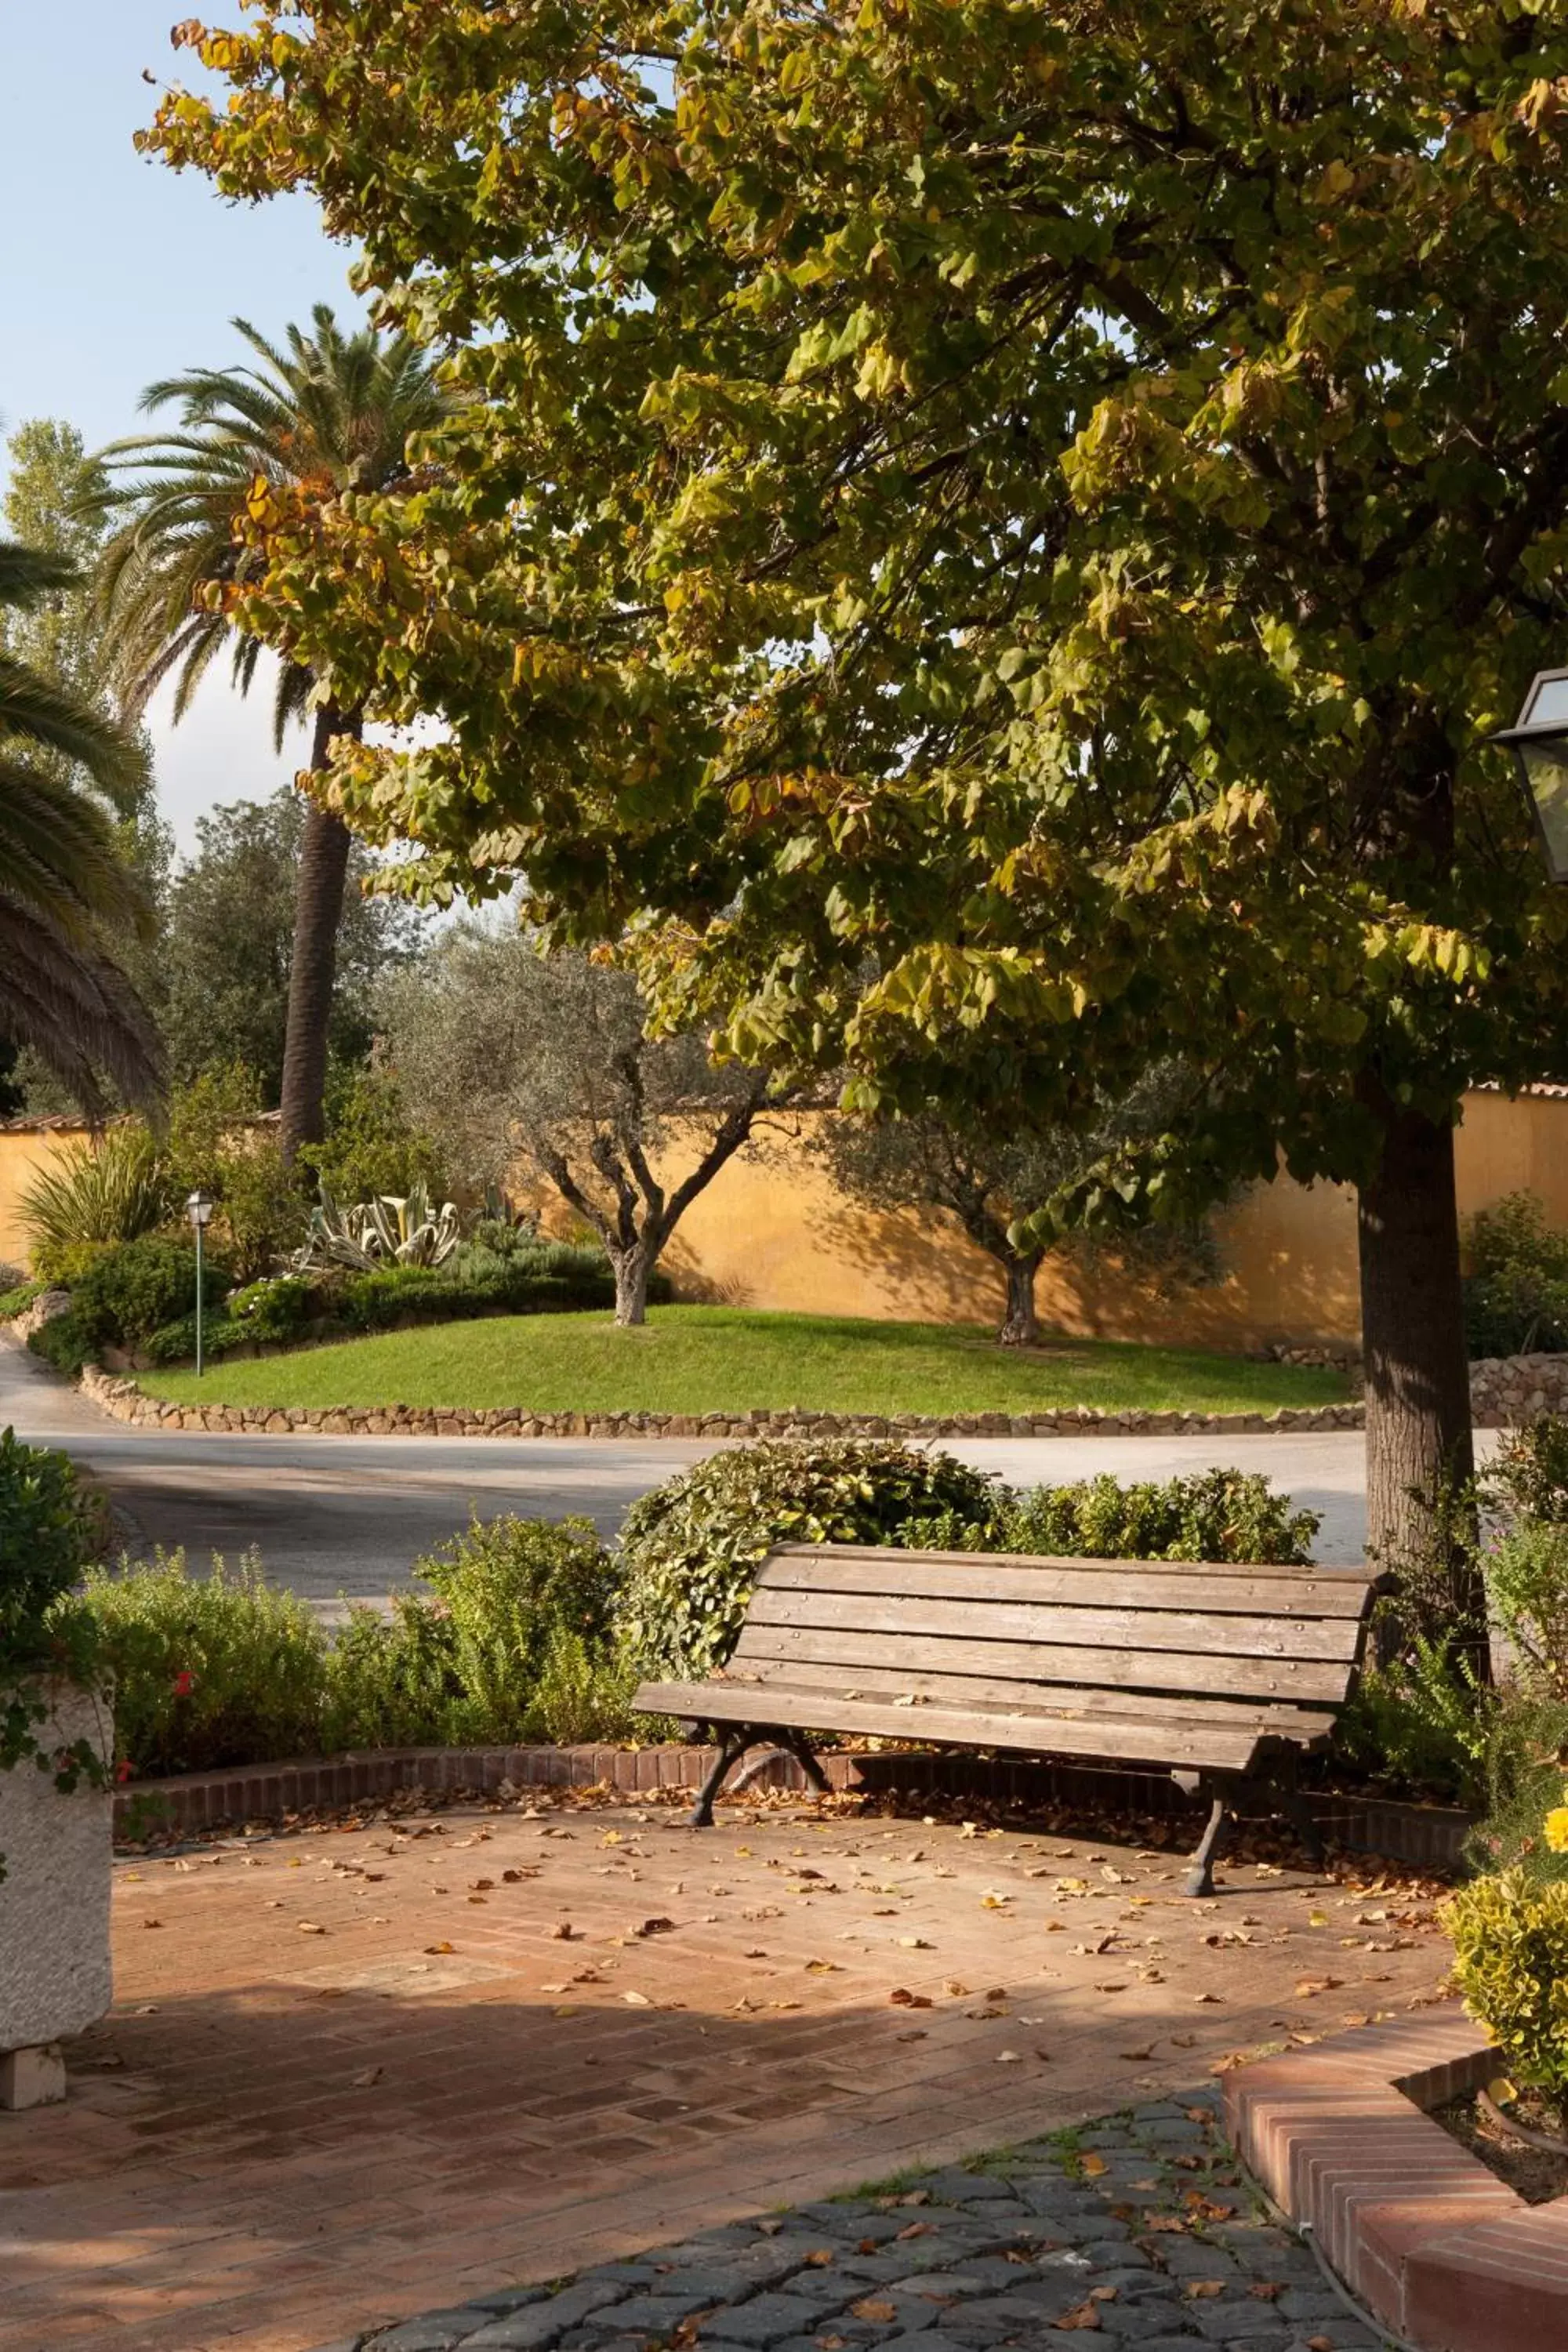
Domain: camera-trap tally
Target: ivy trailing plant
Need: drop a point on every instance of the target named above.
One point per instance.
(46, 1536)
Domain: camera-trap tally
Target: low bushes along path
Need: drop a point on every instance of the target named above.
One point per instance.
(696, 1359)
(394, 2066)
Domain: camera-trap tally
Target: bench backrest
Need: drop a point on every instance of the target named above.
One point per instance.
(1277, 1646)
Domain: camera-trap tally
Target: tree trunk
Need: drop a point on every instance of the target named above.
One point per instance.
(312, 966)
(631, 1268)
(1020, 1327)
(1412, 1338)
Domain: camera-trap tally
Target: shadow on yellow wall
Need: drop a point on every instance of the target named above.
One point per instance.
(772, 1231)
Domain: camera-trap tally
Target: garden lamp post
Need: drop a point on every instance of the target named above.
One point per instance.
(1540, 744)
(199, 1209)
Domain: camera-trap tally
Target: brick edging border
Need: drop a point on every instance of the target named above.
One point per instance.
(1421, 1837)
(126, 1401)
(1437, 2247)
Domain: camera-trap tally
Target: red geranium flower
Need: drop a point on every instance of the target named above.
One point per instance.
(185, 1683)
(124, 1769)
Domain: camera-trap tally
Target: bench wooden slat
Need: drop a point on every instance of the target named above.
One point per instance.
(1197, 1672)
(976, 1618)
(1217, 1747)
(1355, 1578)
(760, 1675)
(1107, 1584)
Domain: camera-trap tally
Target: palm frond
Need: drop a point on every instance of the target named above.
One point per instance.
(78, 1011)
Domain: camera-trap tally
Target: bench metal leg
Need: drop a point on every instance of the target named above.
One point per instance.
(1200, 1876)
(734, 1746)
(1299, 1813)
(731, 1748)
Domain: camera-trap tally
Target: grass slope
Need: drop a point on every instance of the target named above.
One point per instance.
(690, 1359)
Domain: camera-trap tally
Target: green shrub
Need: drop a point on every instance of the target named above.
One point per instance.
(63, 1345)
(389, 1678)
(1516, 1293)
(175, 1343)
(1526, 1759)
(690, 1549)
(276, 1307)
(72, 1265)
(113, 1191)
(1421, 1723)
(208, 1670)
(551, 1278)
(17, 1300)
(45, 1540)
(372, 1148)
(1218, 1515)
(1528, 1476)
(215, 1142)
(1510, 1961)
(521, 1607)
(135, 1289)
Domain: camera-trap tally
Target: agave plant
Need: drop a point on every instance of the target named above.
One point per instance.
(393, 1230)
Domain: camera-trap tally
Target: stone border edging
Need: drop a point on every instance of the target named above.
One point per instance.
(126, 1401)
(1504, 1390)
(1422, 2231)
(1422, 1837)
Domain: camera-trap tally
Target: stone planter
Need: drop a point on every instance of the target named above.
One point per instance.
(54, 1905)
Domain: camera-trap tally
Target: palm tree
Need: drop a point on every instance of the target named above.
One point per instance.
(65, 885)
(328, 411)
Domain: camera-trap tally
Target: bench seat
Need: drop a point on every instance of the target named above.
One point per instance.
(1217, 1673)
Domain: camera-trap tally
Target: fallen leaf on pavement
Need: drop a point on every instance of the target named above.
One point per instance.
(874, 2308)
(310, 1927)
(371, 2075)
(636, 1999)
(440, 1947)
(1094, 2164)
(563, 1932)
(1136, 2055)
(901, 1998)
(1309, 1986)
(654, 1927)
(1199, 2290)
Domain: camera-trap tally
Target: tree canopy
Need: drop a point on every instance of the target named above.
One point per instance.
(1003, 528)
(229, 937)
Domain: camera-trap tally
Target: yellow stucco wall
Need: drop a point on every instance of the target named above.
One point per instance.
(771, 1231)
(23, 1151)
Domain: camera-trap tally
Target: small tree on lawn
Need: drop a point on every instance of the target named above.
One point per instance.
(502, 1050)
(990, 1176)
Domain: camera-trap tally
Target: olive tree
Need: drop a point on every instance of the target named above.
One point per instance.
(504, 1051)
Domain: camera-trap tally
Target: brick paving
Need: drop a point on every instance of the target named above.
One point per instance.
(388, 2066)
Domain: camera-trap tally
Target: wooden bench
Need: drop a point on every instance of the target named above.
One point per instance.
(1220, 1675)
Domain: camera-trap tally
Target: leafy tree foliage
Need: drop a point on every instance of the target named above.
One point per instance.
(229, 933)
(992, 1177)
(1008, 526)
(498, 1049)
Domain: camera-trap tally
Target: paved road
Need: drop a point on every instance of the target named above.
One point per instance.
(347, 1515)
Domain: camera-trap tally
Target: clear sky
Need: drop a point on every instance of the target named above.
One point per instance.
(115, 271)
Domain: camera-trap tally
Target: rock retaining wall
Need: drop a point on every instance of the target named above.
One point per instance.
(1507, 1390)
(1503, 1392)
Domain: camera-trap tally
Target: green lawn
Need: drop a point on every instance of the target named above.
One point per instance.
(691, 1359)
